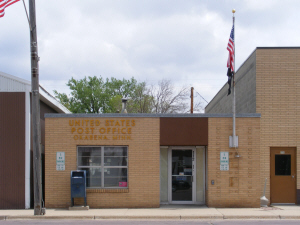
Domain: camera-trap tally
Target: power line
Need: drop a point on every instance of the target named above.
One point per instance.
(201, 97)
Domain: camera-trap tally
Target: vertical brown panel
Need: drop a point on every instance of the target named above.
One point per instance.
(12, 150)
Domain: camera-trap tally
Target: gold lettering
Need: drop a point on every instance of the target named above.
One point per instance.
(77, 122)
(73, 129)
(111, 122)
(113, 130)
(128, 137)
(80, 137)
(123, 137)
(79, 130)
(123, 132)
(97, 123)
(99, 137)
(133, 123)
(105, 138)
(91, 137)
(106, 122)
(122, 122)
(92, 129)
(87, 131)
(92, 123)
(108, 130)
(102, 130)
(129, 130)
(86, 122)
(95, 137)
(76, 137)
(71, 122)
(117, 123)
(86, 138)
(127, 122)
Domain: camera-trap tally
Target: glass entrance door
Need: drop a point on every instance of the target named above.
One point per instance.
(182, 176)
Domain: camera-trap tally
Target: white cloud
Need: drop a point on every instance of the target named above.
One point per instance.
(184, 41)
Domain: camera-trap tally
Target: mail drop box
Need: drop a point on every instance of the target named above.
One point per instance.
(78, 185)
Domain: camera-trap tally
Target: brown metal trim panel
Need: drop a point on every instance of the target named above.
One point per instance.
(12, 150)
(184, 131)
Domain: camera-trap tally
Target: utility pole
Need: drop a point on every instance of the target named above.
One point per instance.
(35, 99)
(192, 99)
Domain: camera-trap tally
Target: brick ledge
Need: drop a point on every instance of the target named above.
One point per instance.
(123, 190)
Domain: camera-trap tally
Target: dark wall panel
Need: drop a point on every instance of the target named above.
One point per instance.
(184, 131)
(43, 109)
(12, 150)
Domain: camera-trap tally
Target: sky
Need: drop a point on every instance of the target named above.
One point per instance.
(184, 41)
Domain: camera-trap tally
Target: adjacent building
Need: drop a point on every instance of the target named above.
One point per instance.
(268, 83)
(15, 139)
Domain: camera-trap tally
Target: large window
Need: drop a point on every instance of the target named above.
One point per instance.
(105, 166)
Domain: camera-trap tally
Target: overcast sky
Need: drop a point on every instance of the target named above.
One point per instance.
(181, 40)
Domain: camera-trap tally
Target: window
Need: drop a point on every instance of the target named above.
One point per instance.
(105, 166)
(282, 165)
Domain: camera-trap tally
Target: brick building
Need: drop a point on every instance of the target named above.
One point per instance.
(268, 83)
(144, 160)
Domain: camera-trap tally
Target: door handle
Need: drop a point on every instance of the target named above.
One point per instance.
(293, 176)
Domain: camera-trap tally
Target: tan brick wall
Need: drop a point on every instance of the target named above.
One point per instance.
(143, 162)
(240, 186)
(278, 101)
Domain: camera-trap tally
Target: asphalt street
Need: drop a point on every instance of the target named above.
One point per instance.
(152, 222)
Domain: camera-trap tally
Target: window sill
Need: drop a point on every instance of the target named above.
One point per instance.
(112, 190)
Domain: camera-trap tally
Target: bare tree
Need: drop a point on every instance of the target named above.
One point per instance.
(167, 100)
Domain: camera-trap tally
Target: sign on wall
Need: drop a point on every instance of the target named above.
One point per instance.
(60, 160)
(224, 161)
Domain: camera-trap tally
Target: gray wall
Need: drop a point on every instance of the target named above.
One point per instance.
(245, 92)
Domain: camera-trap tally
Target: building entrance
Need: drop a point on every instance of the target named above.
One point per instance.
(182, 175)
(283, 175)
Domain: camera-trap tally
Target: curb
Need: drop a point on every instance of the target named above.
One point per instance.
(49, 217)
(239, 217)
(179, 217)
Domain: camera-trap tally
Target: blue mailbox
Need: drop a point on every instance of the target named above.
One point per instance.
(78, 185)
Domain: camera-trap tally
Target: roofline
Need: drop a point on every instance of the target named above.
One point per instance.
(282, 47)
(150, 115)
(15, 78)
(291, 47)
(45, 96)
(50, 100)
(236, 73)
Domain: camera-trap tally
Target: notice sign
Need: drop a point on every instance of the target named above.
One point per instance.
(60, 161)
(224, 161)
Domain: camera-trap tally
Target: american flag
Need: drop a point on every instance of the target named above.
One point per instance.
(4, 4)
(230, 48)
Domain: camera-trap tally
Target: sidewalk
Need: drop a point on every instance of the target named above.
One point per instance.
(164, 212)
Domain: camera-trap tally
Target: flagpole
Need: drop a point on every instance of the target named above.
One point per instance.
(233, 87)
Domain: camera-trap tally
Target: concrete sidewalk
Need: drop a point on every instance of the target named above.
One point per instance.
(164, 212)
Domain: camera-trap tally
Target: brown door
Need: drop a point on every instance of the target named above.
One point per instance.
(283, 175)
